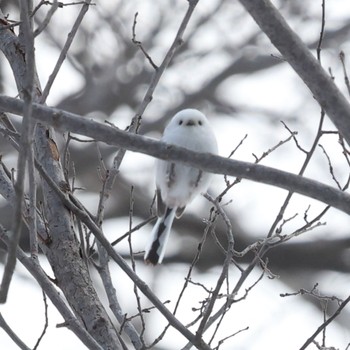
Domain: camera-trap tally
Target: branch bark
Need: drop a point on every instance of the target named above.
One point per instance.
(143, 287)
(32, 265)
(66, 121)
(296, 53)
(63, 250)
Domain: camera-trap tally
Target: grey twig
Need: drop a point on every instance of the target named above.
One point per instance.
(104, 270)
(133, 265)
(306, 162)
(46, 21)
(225, 267)
(12, 334)
(330, 166)
(210, 223)
(135, 122)
(346, 77)
(134, 229)
(326, 323)
(323, 24)
(273, 148)
(108, 177)
(46, 322)
(167, 59)
(139, 43)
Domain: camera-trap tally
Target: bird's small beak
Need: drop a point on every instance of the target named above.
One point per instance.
(190, 123)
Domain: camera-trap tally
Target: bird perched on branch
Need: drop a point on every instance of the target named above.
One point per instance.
(178, 184)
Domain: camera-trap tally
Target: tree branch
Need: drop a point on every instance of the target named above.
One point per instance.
(71, 322)
(25, 146)
(63, 251)
(64, 51)
(326, 323)
(87, 220)
(66, 121)
(12, 334)
(296, 53)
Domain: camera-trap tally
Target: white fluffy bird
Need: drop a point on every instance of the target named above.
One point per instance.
(177, 184)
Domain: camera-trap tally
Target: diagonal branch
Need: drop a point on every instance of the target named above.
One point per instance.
(66, 121)
(89, 222)
(71, 322)
(296, 53)
(326, 323)
(167, 59)
(12, 334)
(64, 51)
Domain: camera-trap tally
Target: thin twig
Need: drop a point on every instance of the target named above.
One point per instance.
(60, 4)
(326, 323)
(330, 166)
(323, 23)
(273, 148)
(210, 223)
(257, 160)
(228, 184)
(46, 323)
(240, 143)
(298, 55)
(225, 267)
(294, 133)
(314, 292)
(310, 153)
(133, 265)
(136, 120)
(104, 271)
(134, 229)
(167, 59)
(47, 18)
(63, 54)
(228, 337)
(139, 43)
(346, 78)
(306, 162)
(10, 25)
(107, 177)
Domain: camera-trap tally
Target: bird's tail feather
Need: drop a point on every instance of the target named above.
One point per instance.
(155, 249)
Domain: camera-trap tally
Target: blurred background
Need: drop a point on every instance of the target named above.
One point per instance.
(228, 69)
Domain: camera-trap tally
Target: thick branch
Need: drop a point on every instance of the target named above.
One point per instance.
(86, 219)
(27, 94)
(296, 53)
(63, 251)
(71, 122)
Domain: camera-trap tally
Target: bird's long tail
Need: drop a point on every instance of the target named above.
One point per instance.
(156, 247)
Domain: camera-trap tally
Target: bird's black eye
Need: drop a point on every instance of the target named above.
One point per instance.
(180, 122)
(199, 122)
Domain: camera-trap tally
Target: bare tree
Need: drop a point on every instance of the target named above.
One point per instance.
(126, 70)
